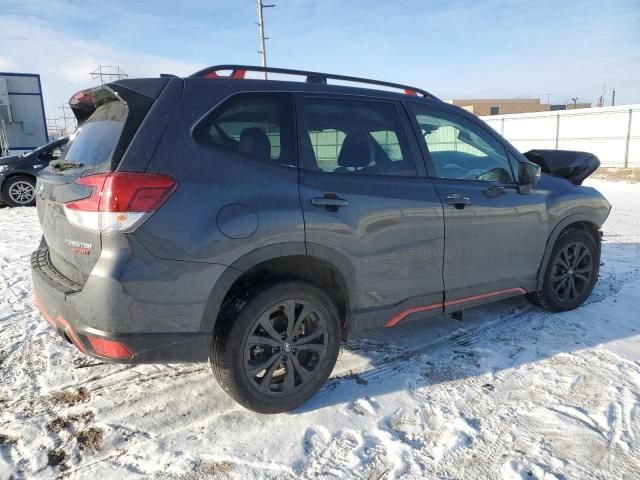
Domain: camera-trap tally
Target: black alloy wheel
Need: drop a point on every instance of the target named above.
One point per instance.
(285, 346)
(571, 273)
(275, 347)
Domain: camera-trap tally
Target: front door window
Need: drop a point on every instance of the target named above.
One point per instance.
(461, 150)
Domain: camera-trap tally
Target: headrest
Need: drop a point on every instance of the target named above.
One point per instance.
(356, 151)
(255, 144)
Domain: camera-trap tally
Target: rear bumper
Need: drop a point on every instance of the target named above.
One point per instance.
(79, 315)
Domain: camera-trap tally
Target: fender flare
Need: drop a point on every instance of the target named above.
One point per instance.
(555, 233)
(234, 271)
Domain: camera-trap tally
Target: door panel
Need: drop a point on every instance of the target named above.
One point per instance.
(494, 243)
(391, 230)
(388, 225)
(494, 235)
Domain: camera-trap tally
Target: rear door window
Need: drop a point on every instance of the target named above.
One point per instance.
(258, 126)
(354, 136)
(93, 144)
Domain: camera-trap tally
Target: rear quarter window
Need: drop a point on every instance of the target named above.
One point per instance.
(258, 126)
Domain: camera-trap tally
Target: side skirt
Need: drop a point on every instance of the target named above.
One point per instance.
(438, 308)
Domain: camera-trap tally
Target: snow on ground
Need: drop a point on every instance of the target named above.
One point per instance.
(510, 392)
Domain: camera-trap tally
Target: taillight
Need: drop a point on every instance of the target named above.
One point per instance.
(119, 201)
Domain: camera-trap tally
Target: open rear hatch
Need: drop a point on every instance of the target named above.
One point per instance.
(106, 124)
(572, 165)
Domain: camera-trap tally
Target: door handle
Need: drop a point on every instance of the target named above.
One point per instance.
(458, 200)
(330, 201)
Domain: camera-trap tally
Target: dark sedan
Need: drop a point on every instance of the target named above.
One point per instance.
(18, 173)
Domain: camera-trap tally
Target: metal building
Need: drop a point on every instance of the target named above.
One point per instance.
(22, 119)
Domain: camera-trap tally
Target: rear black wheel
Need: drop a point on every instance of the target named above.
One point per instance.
(571, 273)
(278, 350)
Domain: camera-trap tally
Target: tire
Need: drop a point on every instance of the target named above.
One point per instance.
(571, 273)
(19, 191)
(294, 353)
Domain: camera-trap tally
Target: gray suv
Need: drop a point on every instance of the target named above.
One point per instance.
(256, 223)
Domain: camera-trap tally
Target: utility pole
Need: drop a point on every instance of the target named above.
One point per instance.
(548, 99)
(263, 48)
(613, 97)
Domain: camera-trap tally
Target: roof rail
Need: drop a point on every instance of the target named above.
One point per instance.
(239, 71)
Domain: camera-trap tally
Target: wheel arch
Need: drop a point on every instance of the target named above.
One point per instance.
(580, 221)
(320, 266)
(18, 173)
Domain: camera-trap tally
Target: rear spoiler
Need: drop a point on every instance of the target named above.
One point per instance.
(85, 102)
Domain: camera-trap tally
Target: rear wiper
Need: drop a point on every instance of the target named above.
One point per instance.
(65, 165)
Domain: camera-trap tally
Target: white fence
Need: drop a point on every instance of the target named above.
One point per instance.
(612, 133)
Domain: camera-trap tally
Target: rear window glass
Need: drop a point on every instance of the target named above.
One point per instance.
(96, 139)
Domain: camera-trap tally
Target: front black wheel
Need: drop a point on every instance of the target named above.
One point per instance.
(277, 351)
(571, 273)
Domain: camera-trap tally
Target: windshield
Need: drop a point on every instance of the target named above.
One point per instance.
(94, 142)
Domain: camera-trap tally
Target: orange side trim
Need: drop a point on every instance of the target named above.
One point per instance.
(402, 315)
(521, 291)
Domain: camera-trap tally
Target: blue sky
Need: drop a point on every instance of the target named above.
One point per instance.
(456, 49)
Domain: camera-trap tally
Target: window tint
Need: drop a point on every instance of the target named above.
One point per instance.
(253, 125)
(459, 149)
(94, 142)
(354, 136)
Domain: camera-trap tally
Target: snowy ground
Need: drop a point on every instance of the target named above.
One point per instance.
(509, 392)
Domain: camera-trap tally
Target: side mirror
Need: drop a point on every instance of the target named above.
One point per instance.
(528, 174)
